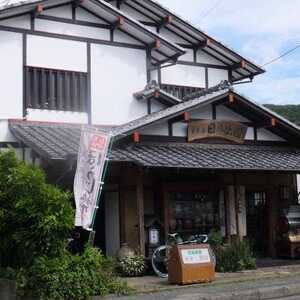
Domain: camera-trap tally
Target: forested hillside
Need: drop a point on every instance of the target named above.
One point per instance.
(291, 112)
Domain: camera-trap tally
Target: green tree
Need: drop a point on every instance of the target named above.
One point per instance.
(35, 217)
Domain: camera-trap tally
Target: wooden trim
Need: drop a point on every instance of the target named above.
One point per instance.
(24, 58)
(74, 22)
(72, 38)
(89, 84)
(212, 66)
(140, 210)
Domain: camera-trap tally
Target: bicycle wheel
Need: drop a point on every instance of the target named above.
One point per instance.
(160, 261)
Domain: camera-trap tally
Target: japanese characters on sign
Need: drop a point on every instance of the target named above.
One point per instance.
(90, 165)
(230, 130)
(195, 256)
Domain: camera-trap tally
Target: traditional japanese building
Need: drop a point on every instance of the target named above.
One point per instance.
(189, 152)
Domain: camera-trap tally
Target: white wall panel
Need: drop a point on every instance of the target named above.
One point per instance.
(204, 58)
(18, 22)
(71, 29)
(156, 106)
(224, 113)
(250, 133)
(116, 74)
(56, 116)
(266, 135)
(184, 75)
(5, 134)
(188, 56)
(202, 113)
(11, 75)
(61, 12)
(215, 76)
(56, 53)
(180, 129)
(156, 129)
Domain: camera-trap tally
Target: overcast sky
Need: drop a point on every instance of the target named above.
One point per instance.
(258, 29)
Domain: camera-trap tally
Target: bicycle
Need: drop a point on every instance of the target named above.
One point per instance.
(160, 256)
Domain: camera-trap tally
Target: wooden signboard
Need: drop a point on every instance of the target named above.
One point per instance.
(191, 263)
(229, 130)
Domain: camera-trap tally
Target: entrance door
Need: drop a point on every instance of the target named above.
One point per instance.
(112, 224)
(257, 220)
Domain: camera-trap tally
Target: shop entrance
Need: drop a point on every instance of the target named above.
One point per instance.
(257, 220)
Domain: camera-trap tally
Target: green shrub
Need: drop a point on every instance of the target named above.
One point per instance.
(35, 217)
(8, 273)
(215, 239)
(235, 257)
(132, 266)
(70, 277)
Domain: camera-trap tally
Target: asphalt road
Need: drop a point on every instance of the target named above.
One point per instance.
(209, 292)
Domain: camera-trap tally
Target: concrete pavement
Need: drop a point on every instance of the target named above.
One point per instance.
(276, 282)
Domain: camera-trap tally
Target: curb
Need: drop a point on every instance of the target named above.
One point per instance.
(256, 294)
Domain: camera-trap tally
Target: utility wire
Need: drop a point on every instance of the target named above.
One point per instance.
(203, 16)
(282, 55)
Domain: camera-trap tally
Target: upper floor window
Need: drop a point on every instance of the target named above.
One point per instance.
(55, 89)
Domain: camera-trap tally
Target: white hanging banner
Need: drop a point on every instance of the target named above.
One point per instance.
(90, 166)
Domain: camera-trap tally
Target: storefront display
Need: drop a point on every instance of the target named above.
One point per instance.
(193, 212)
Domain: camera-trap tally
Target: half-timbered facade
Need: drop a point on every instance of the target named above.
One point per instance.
(189, 151)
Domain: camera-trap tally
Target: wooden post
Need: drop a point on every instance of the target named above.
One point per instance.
(165, 211)
(140, 210)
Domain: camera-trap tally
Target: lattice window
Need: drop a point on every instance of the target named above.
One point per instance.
(55, 89)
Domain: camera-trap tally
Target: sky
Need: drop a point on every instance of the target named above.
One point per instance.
(259, 30)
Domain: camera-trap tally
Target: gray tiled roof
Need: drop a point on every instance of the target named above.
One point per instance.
(58, 142)
(210, 156)
(204, 97)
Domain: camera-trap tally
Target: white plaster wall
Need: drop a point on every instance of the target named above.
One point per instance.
(202, 113)
(5, 134)
(250, 134)
(56, 53)
(224, 113)
(56, 116)
(72, 29)
(184, 75)
(266, 135)
(11, 75)
(204, 58)
(298, 183)
(116, 74)
(156, 106)
(17, 22)
(156, 129)
(154, 75)
(61, 12)
(188, 56)
(215, 76)
(180, 129)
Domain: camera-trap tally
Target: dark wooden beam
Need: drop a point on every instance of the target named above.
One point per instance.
(119, 23)
(140, 209)
(203, 44)
(156, 45)
(37, 11)
(239, 65)
(165, 22)
(77, 3)
(185, 117)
